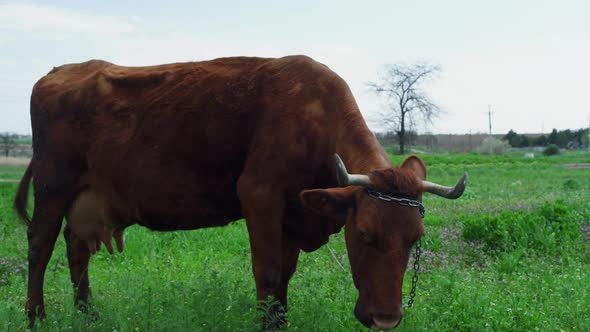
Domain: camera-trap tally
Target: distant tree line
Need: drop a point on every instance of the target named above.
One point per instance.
(563, 138)
(7, 143)
(393, 138)
(13, 144)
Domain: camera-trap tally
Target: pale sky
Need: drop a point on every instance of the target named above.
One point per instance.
(528, 59)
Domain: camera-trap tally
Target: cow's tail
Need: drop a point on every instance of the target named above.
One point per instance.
(22, 195)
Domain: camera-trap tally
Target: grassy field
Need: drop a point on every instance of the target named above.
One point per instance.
(513, 254)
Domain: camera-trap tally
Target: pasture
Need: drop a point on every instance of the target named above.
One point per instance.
(513, 254)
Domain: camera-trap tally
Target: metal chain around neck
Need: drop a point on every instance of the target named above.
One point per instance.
(418, 251)
(400, 201)
(417, 254)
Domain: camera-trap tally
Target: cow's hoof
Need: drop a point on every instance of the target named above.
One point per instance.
(88, 310)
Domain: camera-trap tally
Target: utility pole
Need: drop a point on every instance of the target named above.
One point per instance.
(490, 118)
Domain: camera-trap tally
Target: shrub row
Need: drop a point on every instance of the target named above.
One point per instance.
(552, 228)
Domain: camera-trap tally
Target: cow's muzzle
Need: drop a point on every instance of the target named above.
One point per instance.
(385, 322)
(379, 321)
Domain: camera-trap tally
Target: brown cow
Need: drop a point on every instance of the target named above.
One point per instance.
(192, 145)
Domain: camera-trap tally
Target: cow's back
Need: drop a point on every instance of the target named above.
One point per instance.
(168, 143)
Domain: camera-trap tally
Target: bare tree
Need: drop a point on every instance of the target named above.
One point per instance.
(400, 84)
(7, 142)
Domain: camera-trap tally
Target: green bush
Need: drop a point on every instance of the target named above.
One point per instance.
(547, 230)
(551, 150)
(570, 184)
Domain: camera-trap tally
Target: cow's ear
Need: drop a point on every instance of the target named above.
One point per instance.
(333, 202)
(417, 165)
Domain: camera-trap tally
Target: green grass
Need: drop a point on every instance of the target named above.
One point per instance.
(513, 254)
(11, 172)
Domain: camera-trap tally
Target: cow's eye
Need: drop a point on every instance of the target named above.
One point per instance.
(365, 237)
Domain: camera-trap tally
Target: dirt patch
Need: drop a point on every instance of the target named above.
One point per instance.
(577, 166)
(14, 161)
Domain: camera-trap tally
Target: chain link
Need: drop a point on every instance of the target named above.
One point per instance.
(416, 269)
(400, 201)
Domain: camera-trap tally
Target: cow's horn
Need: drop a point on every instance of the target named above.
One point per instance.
(345, 179)
(446, 192)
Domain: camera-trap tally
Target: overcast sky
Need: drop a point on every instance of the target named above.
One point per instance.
(529, 60)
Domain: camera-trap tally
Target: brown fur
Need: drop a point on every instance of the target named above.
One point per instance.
(398, 181)
(201, 144)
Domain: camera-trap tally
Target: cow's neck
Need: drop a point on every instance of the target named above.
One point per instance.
(358, 147)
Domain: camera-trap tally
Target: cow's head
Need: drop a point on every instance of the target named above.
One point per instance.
(379, 233)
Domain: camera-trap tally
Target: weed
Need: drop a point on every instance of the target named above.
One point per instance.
(571, 184)
(547, 230)
(11, 265)
(271, 313)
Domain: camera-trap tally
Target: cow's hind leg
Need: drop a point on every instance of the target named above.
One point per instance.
(42, 233)
(54, 184)
(78, 259)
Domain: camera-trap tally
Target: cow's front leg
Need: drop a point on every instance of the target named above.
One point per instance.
(274, 314)
(263, 209)
(289, 257)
